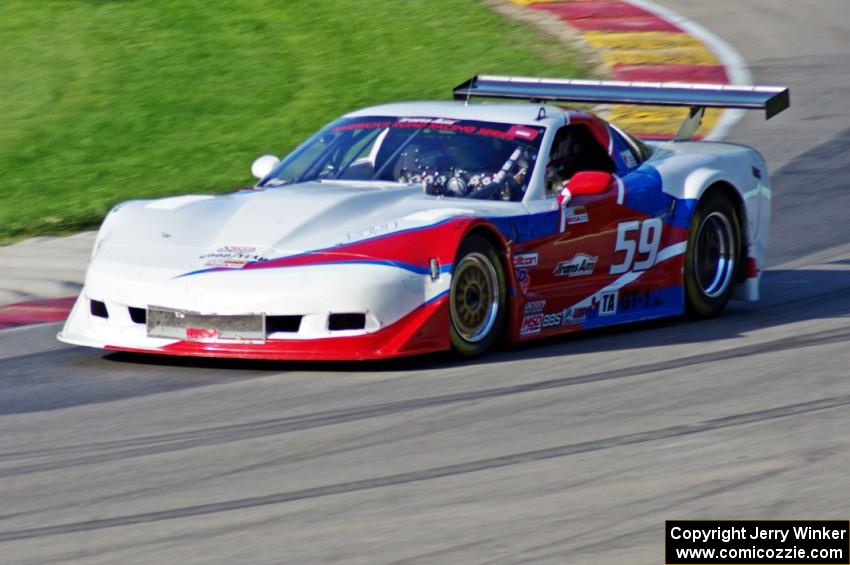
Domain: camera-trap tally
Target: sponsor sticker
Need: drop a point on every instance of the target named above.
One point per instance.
(523, 132)
(628, 159)
(524, 280)
(524, 260)
(428, 120)
(552, 320)
(373, 231)
(574, 315)
(576, 215)
(531, 324)
(232, 257)
(534, 307)
(201, 334)
(580, 265)
(639, 299)
(608, 303)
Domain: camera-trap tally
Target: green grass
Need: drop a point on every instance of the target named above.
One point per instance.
(107, 100)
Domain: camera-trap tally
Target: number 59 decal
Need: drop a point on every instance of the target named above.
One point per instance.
(648, 236)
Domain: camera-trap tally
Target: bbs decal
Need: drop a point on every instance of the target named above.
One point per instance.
(639, 241)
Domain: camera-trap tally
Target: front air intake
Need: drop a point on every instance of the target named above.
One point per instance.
(287, 324)
(340, 322)
(98, 308)
(138, 315)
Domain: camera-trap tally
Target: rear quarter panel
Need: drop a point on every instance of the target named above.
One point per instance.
(688, 169)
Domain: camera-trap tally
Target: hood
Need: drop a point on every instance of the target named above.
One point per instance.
(199, 231)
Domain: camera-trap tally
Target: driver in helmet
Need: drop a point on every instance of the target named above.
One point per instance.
(562, 160)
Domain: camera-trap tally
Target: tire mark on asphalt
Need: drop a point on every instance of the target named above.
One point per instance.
(227, 434)
(559, 547)
(436, 472)
(71, 377)
(355, 443)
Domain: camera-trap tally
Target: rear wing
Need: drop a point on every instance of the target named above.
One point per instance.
(697, 97)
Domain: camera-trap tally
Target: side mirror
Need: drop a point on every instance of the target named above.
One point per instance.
(264, 165)
(589, 182)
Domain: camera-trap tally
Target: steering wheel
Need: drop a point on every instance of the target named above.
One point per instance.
(494, 188)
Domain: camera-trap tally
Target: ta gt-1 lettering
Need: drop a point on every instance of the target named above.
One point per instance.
(608, 303)
(645, 299)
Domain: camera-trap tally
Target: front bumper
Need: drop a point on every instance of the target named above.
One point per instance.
(405, 314)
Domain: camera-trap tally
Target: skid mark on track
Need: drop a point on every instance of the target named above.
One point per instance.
(140, 447)
(437, 472)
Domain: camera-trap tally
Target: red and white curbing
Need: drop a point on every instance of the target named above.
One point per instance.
(35, 312)
(639, 40)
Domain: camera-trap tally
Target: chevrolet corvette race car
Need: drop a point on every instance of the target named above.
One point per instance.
(417, 227)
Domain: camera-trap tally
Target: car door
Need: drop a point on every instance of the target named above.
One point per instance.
(589, 249)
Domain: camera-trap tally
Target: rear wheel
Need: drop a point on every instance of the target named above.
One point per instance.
(477, 297)
(713, 258)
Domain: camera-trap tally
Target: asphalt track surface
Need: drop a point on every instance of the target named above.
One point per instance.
(572, 450)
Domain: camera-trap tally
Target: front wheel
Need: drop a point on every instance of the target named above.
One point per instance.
(477, 298)
(713, 257)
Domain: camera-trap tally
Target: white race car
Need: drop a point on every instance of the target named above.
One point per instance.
(416, 227)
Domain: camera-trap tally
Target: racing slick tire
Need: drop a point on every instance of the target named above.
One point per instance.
(477, 298)
(713, 257)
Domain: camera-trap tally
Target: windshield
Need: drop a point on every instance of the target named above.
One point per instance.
(460, 158)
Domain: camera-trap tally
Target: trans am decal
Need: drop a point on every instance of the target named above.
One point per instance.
(580, 265)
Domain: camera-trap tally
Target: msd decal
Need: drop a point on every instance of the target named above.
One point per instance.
(531, 324)
(580, 265)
